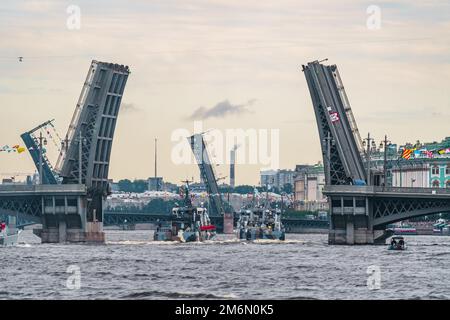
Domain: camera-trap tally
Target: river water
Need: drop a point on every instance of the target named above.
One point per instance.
(129, 266)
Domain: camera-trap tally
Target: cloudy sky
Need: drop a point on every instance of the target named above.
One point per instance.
(231, 64)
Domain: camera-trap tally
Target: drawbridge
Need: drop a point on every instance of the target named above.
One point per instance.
(359, 210)
(208, 176)
(69, 201)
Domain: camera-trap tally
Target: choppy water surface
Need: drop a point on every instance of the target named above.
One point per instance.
(130, 266)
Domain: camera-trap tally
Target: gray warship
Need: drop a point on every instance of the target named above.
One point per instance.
(187, 223)
(260, 222)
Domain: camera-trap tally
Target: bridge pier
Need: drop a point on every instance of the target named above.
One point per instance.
(65, 220)
(351, 220)
(351, 230)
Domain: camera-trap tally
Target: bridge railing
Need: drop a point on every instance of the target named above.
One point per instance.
(17, 189)
(413, 190)
(380, 189)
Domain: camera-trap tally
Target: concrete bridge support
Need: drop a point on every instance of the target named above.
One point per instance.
(65, 220)
(352, 221)
(350, 229)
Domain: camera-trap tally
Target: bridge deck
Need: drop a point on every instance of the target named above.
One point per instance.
(34, 190)
(377, 191)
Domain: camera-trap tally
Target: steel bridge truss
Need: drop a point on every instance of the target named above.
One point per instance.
(390, 210)
(339, 135)
(93, 125)
(207, 173)
(25, 207)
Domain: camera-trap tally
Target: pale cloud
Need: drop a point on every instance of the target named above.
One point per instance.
(129, 108)
(195, 53)
(221, 110)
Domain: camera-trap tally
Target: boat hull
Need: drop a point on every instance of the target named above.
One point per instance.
(397, 248)
(182, 236)
(260, 233)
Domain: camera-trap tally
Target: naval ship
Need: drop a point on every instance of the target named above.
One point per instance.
(9, 235)
(188, 223)
(260, 222)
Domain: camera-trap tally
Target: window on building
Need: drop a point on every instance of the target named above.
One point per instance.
(435, 170)
(436, 184)
(447, 184)
(447, 170)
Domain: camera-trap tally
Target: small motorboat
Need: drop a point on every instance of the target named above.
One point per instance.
(397, 243)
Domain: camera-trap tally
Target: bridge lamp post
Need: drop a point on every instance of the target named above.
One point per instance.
(385, 144)
(42, 142)
(81, 141)
(370, 143)
(327, 141)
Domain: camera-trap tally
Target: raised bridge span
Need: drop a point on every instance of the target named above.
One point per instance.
(359, 210)
(70, 198)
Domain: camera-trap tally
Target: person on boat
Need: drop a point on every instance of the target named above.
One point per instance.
(401, 243)
(393, 243)
(2, 226)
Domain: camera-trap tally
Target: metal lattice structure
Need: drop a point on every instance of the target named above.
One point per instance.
(86, 155)
(207, 173)
(32, 144)
(117, 218)
(358, 213)
(24, 207)
(341, 142)
(386, 210)
(94, 120)
(69, 202)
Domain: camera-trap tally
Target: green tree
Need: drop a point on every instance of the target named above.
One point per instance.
(159, 206)
(244, 189)
(138, 186)
(287, 188)
(125, 185)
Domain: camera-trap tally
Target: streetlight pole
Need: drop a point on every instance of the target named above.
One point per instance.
(385, 144)
(369, 141)
(41, 138)
(328, 146)
(80, 159)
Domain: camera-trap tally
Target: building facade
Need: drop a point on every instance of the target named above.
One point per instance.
(308, 186)
(434, 173)
(155, 184)
(277, 178)
(427, 166)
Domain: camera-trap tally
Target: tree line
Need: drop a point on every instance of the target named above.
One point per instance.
(139, 186)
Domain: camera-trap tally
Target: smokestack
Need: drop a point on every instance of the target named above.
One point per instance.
(232, 166)
(156, 153)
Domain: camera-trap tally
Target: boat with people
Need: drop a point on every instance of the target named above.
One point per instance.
(260, 221)
(397, 243)
(9, 234)
(187, 223)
